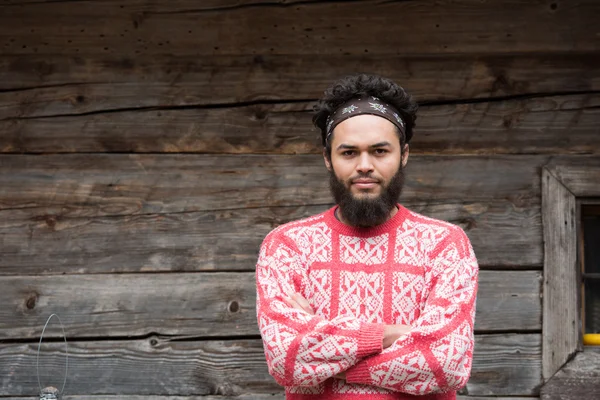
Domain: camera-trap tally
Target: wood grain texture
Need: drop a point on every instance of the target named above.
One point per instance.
(495, 372)
(142, 367)
(580, 177)
(503, 365)
(248, 396)
(108, 213)
(34, 86)
(252, 396)
(542, 125)
(562, 184)
(91, 185)
(204, 305)
(37, 243)
(139, 27)
(579, 379)
(561, 328)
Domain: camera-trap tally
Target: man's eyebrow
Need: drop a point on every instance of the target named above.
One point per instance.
(380, 144)
(344, 146)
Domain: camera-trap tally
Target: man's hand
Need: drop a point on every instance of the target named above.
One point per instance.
(391, 333)
(341, 375)
(300, 303)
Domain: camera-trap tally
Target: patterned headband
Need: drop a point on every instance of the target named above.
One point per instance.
(370, 105)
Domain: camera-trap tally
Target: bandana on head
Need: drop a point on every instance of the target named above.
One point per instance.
(369, 105)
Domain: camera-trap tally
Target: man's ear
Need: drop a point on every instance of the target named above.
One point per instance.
(327, 159)
(405, 153)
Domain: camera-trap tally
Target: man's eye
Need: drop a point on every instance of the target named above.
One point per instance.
(348, 153)
(380, 151)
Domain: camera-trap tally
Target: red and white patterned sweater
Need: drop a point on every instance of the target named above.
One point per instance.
(411, 270)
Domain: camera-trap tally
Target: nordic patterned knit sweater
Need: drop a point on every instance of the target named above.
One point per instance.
(411, 270)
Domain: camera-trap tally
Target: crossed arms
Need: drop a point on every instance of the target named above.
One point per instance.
(391, 333)
(303, 348)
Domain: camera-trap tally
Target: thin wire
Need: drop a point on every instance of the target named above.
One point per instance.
(37, 366)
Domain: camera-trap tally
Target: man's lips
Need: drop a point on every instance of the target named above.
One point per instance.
(365, 183)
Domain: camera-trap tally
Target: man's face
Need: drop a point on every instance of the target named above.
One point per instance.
(366, 169)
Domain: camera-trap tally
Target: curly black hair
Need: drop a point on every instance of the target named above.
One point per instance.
(360, 85)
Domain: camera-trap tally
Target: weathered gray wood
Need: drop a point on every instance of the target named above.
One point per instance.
(117, 305)
(82, 212)
(503, 365)
(495, 371)
(562, 183)
(254, 396)
(139, 367)
(102, 184)
(509, 295)
(124, 81)
(250, 396)
(34, 85)
(580, 177)
(495, 398)
(561, 328)
(202, 305)
(138, 27)
(38, 242)
(579, 379)
(544, 125)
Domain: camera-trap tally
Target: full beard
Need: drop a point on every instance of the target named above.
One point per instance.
(366, 212)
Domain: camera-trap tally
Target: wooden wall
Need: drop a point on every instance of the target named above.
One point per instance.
(147, 147)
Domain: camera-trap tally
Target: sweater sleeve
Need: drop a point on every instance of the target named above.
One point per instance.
(436, 355)
(303, 349)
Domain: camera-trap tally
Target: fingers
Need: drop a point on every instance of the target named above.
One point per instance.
(303, 303)
(403, 329)
(300, 303)
(292, 303)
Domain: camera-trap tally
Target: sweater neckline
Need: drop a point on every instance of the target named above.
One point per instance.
(348, 230)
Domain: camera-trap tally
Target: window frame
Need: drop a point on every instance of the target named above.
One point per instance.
(580, 204)
(564, 188)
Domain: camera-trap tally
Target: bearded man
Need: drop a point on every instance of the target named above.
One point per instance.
(367, 300)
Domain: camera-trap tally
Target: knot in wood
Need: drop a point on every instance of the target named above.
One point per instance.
(31, 301)
(50, 221)
(234, 306)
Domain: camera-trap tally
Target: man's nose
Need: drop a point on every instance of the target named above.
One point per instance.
(364, 163)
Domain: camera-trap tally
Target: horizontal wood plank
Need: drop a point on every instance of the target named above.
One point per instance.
(87, 185)
(495, 371)
(247, 396)
(251, 396)
(202, 305)
(543, 125)
(34, 243)
(503, 365)
(151, 28)
(35, 86)
(98, 213)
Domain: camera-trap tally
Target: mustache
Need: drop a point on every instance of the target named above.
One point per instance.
(364, 176)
